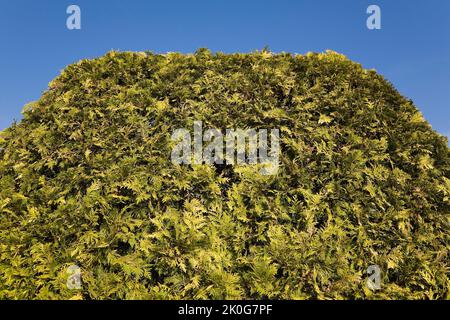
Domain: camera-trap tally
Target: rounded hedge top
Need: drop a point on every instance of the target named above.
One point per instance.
(86, 180)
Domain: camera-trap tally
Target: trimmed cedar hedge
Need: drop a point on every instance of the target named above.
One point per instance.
(86, 179)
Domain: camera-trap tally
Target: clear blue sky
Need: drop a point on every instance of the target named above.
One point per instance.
(412, 49)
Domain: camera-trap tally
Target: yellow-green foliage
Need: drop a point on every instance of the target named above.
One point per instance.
(86, 179)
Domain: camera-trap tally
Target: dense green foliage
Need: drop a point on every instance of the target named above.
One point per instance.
(86, 179)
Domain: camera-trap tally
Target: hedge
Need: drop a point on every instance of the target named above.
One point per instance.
(86, 180)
